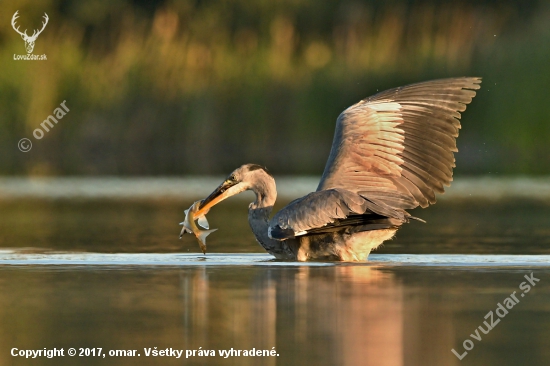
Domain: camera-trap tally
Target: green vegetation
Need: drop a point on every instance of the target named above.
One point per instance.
(193, 87)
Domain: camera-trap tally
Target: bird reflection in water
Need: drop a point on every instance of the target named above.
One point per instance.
(346, 315)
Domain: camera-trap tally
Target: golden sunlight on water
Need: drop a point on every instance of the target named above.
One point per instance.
(317, 315)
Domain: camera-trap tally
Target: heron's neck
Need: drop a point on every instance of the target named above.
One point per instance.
(259, 212)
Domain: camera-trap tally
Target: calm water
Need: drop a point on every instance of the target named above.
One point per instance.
(113, 275)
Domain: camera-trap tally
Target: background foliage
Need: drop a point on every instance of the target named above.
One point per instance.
(193, 87)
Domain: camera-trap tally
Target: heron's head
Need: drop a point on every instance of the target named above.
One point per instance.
(248, 176)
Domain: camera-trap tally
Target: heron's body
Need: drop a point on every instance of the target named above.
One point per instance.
(391, 152)
(343, 244)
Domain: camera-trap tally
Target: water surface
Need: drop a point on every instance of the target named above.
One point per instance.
(112, 274)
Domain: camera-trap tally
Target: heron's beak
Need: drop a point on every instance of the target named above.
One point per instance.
(227, 189)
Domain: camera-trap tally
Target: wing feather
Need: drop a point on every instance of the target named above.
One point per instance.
(412, 156)
(335, 209)
(398, 144)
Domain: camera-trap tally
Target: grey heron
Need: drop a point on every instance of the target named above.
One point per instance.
(391, 152)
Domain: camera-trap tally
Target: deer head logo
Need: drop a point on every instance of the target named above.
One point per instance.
(29, 40)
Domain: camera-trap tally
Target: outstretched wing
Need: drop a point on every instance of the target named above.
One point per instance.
(333, 209)
(397, 146)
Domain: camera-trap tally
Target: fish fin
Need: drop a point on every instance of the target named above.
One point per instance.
(204, 234)
(184, 230)
(203, 222)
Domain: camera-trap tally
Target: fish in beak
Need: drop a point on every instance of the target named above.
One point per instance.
(190, 226)
(203, 222)
(228, 188)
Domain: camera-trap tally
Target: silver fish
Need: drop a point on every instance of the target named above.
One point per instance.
(189, 225)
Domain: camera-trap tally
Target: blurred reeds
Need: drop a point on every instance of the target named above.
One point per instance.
(161, 88)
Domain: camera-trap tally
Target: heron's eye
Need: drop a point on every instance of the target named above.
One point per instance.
(233, 178)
